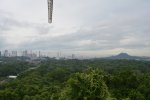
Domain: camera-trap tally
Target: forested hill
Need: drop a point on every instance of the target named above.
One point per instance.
(128, 57)
(81, 80)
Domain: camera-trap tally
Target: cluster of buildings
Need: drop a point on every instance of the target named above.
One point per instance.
(7, 53)
(38, 54)
(30, 54)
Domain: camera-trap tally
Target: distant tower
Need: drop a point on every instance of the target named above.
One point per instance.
(14, 53)
(50, 10)
(6, 54)
(0, 53)
(57, 54)
(25, 53)
(39, 54)
(60, 54)
(73, 56)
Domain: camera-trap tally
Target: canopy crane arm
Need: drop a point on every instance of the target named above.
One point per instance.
(50, 10)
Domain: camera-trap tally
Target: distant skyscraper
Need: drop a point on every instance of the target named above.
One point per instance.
(73, 56)
(0, 53)
(14, 54)
(58, 55)
(6, 54)
(39, 54)
(25, 53)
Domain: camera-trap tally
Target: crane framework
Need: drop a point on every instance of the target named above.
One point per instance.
(50, 10)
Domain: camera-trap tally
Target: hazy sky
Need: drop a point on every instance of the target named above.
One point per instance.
(94, 27)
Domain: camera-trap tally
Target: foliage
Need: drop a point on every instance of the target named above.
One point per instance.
(89, 85)
(76, 80)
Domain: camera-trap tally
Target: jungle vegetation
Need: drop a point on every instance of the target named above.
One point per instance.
(93, 79)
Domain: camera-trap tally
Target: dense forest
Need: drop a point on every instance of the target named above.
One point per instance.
(93, 79)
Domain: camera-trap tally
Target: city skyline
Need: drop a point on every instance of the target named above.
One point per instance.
(93, 28)
(56, 54)
(40, 54)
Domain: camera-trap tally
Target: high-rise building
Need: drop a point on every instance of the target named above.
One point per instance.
(39, 54)
(6, 53)
(73, 56)
(25, 53)
(14, 54)
(58, 55)
(0, 53)
(33, 55)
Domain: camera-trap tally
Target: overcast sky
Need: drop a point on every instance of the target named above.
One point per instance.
(92, 27)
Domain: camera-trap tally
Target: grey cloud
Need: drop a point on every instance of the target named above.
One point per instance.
(7, 23)
(99, 38)
(104, 25)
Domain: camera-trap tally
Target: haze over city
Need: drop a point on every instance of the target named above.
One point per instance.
(96, 27)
